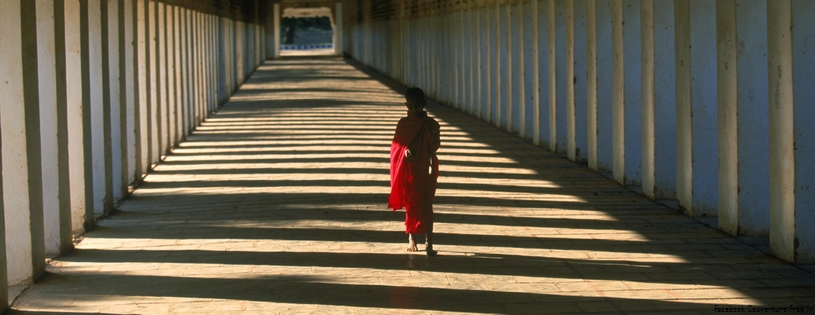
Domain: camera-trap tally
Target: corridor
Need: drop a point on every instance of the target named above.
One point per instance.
(276, 204)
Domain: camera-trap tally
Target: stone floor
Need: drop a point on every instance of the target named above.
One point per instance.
(276, 205)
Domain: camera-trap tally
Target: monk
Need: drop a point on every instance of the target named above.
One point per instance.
(415, 169)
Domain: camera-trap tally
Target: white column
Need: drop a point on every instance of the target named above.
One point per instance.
(240, 53)
(127, 86)
(49, 120)
(464, 79)
(500, 54)
(110, 96)
(479, 32)
(802, 53)
(508, 88)
(198, 63)
(561, 80)
(203, 56)
(664, 101)
(257, 29)
(14, 159)
(436, 27)
(605, 86)
(472, 66)
(220, 61)
(647, 95)
(63, 211)
(488, 62)
(141, 163)
(753, 118)
(178, 80)
(171, 37)
(33, 146)
(193, 98)
(569, 83)
(153, 100)
(782, 130)
(191, 73)
(162, 67)
(703, 103)
(632, 97)
(186, 78)
(552, 75)
(421, 53)
(542, 71)
(92, 118)
(521, 20)
(459, 52)
(206, 54)
(435, 54)
(580, 114)
(684, 144)
(535, 74)
(3, 260)
(111, 100)
(231, 59)
(727, 113)
(591, 83)
(273, 32)
(214, 38)
(205, 59)
(74, 97)
(792, 233)
(338, 29)
(618, 90)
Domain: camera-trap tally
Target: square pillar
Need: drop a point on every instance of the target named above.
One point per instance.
(664, 101)
(128, 97)
(56, 207)
(580, 70)
(551, 61)
(803, 130)
(561, 90)
(743, 117)
(142, 73)
(535, 72)
(632, 97)
(792, 232)
(19, 124)
(338, 29)
(510, 65)
(605, 85)
(568, 80)
(519, 112)
(110, 96)
(618, 90)
(591, 83)
(704, 108)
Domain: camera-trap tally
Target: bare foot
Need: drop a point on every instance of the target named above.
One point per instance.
(411, 244)
(429, 249)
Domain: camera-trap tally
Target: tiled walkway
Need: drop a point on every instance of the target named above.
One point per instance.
(277, 205)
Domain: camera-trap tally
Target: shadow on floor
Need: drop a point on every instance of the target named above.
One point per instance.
(280, 197)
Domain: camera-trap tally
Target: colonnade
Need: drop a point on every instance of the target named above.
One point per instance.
(705, 102)
(93, 94)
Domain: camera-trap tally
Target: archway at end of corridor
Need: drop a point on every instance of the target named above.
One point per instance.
(307, 32)
(304, 28)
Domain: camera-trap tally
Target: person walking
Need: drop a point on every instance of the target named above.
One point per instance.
(414, 169)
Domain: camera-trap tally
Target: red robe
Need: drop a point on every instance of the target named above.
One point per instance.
(414, 178)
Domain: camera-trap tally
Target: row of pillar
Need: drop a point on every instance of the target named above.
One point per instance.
(694, 100)
(93, 94)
